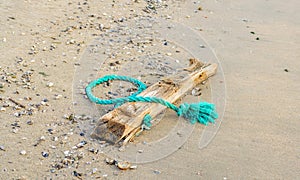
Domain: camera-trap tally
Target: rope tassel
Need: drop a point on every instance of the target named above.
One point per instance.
(201, 112)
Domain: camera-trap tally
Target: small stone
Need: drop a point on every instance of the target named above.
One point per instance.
(2, 148)
(23, 152)
(156, 172)
(58, 96)
(140, 151)
(45, 154)
(94, 170)
(42, 138)
(17, 114)
(93, 150)
(67, 153)
(77, 174)
(50, 84)
(286, 70)
(29, 122)
(2, 109)
(110, 161)
(81, 144)
(71, 41)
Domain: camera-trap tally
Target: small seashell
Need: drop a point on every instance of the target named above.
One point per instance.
(123, 165)
(110, 161)
(23, 152)
(133, 167)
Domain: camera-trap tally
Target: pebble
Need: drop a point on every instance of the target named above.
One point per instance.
(110, 161)
(45, 154)
(29, 122)
(2, 148)
(156, 172)
(67, 153)
(94, 170)
(53, 147)
(2, 109)
(50, 84)
(58, 96)
(17, 114)
(23, 152)
(80, 145)
(93, 150)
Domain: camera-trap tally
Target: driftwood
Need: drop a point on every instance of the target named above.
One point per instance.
(125, 121)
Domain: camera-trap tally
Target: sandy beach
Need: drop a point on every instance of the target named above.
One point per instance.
(45, 51)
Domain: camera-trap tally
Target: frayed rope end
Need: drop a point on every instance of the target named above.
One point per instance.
(202, 112)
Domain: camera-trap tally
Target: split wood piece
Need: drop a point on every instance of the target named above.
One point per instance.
(124, 121)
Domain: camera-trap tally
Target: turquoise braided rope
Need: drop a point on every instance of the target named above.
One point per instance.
(132, 98)
(201, 112)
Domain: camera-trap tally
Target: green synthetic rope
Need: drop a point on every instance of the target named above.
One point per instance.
(201, 112)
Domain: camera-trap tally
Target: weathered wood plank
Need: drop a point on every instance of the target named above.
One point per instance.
(124, 121)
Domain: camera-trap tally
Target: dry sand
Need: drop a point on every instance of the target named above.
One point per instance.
(257, 43)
